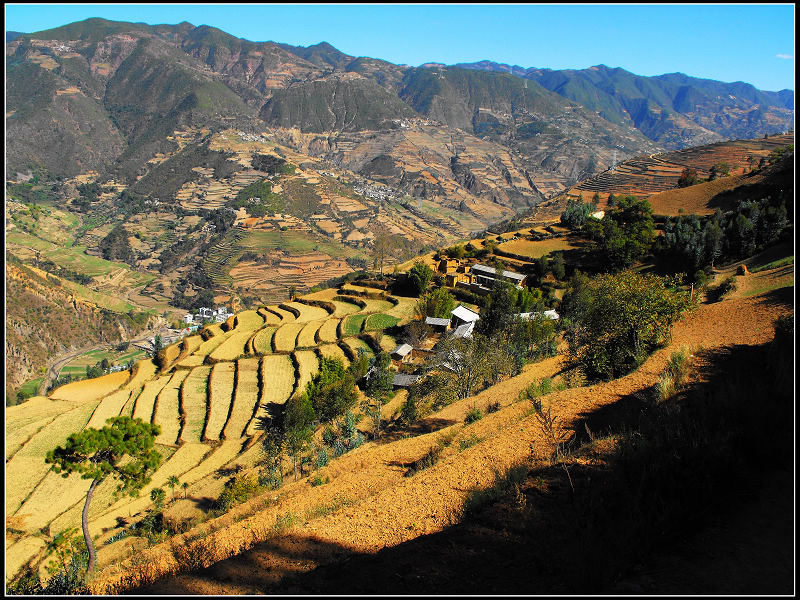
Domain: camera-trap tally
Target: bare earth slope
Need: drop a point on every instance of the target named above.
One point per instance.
(369, 506)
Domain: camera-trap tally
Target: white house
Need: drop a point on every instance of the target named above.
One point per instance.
(548, 314)
(461, 314)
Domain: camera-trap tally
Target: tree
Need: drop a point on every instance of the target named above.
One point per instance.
(173, 482)
(720, 168)
(614, 321)
(420, 276)
(158, 496)
(97, 454)
(298, 419)
(688, 177)
(437, 303)
(626, 232)
(498, 308)
(378, 388)
(332, 390)
(465, 361)
(557, 265)
(158, 344)
(384, 244)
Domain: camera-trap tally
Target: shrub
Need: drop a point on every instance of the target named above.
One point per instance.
(473, 414)
(237, 490)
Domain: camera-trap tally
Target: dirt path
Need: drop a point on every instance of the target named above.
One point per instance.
(381, 509)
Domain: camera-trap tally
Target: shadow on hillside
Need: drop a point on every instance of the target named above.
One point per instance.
(688, 466)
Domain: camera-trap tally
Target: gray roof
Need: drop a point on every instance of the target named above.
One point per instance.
(402, 380)
(548, 314)
(403, 349)
(465, 314)
(437, 322)
(491, 271)
(464, 331)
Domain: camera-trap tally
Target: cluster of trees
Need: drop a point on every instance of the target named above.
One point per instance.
(690, 243)
(258, 199)
(623, 235)
(115, 246)
(577, 213)
(612, 322)
(330, 395)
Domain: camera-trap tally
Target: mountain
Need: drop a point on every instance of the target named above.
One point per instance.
(675, 110)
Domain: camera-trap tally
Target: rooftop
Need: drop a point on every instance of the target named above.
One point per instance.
(484, 269)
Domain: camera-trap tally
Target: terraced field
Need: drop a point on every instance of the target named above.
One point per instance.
(215, 397)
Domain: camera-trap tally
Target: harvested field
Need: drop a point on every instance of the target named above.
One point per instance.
(285, 315)
(358, 345)
(334, 351)
(388, 343)
(143, 371)
(307, 336)
(110, 406)
(191, 343)
(277, 376)
(193, 360)
(327, 331)
(530, 249)
(405, 308)
(91, 389)
(53, 496)
(696, 199)
(233, 347)
(127, 409)
(167, 413)
(270, 318)
(308, 366)
(245, 398)
(285, 338)
(220, 396)
(146, 402)
(24, 420)
(262, 340)
(309, 313)
(194, 401)
(211, 344)
(27, 467)
(344, 308)
(248, 320)
(19, 553)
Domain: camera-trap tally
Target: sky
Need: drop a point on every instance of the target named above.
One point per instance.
(753, 43)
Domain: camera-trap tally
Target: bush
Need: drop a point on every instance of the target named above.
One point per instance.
(237, 490)
(473, 414)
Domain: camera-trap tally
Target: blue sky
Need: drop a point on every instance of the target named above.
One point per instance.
(752, 43)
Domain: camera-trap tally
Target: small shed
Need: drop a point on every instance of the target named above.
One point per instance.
(464, 331)
(461, 314)
(437, 324)
(402, 380)
(403, 353)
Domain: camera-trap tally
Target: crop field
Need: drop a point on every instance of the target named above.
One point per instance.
(531, 249)
(91, 389)
(248, 320)
(244, 399)
(334, 351)
(27, 467)
(220, 394)
(194, 395)
(167, 413)
(380, 321)
(206, 412)
(146, 402)
(233, 347)
(262, 340)
(308, 366)
(110, 406)
(285, 338)
(352, 324)
(308, 313)
(388, 343)
(327, 331)
(307, 336)
(278, 379)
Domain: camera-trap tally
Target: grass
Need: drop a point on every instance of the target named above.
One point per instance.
(91, 389)
(285, 338)
(327, 331)
(145, 403)
(306, 339)
(110, 406)
(166, 413)
(262, 342)
(194, 394)
(309, 365)
(674, 375)
(277, 377)
(782, 262)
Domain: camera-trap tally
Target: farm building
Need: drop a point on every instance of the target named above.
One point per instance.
(437, 324)
(403, 353)
(401, 380)
(464, 331)
(485, 276)
(461, 315)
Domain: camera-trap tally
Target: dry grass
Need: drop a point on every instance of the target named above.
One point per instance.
(333, 351)
(91, 389)
(143, 371)
(233, 347)
(167, 414)
(220, 392)
(24, 420)
(531, 249)
(194, 399)
(245, 398)
(248, 320)
(285, 315)
(262, 341)
(211, 344)
(309, 313)
(270, 318)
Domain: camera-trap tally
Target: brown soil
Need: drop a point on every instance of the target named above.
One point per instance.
(388, 533)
